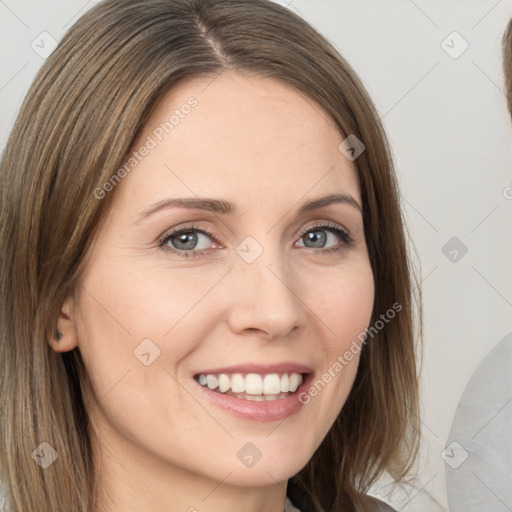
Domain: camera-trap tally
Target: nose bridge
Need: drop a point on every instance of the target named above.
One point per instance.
(265, 297)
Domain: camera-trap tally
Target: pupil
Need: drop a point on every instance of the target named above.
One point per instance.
(317, 237)
(192, 240)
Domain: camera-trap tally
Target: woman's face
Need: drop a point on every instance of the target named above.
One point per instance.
(258, 293)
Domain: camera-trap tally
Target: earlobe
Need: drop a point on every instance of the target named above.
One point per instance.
(64, 337)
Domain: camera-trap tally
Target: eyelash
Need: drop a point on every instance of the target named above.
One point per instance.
(347, 240)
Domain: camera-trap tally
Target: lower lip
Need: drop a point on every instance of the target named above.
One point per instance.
(273, 410)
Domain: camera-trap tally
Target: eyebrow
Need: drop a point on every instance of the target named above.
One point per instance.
(229, 208)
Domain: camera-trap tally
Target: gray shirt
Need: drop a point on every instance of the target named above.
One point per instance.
(383, 507)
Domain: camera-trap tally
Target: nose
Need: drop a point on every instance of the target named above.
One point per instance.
(264, 297)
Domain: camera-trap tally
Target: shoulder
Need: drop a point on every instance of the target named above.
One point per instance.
(371, 504)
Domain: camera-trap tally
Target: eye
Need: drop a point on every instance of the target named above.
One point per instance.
(184, 241)
(317, 237)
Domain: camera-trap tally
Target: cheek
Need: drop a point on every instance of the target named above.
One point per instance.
(345, 305)
(128, 302)
(344, 308)
(126, 314)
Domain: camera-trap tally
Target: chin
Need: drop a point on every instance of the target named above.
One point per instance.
(268, 470)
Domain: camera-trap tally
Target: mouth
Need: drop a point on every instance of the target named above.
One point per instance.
(256, 392)
(253, 386)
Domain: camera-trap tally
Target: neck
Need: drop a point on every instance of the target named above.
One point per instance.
(130, 480)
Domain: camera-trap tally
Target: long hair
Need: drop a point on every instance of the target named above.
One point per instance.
(75, 128)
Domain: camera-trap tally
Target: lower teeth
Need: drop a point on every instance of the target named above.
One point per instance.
(254, 398)
(261, 398)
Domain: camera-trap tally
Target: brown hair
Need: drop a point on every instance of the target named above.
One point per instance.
(507, 64)
(75, 129)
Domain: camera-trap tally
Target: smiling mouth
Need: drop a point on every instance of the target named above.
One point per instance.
(252, 386)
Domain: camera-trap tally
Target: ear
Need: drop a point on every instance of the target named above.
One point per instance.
(67, 339)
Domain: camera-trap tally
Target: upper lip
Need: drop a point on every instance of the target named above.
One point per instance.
(262, 369)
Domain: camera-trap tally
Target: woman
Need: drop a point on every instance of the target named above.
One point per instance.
(207, 294)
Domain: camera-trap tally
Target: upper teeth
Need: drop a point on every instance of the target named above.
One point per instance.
(253, 383)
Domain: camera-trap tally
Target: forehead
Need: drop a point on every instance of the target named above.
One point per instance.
(233, 135)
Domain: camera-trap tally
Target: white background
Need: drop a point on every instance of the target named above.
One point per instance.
(451, 136)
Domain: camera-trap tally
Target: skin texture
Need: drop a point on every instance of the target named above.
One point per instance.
(267, 148)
